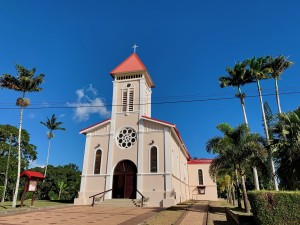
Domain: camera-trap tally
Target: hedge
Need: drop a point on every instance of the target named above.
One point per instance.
(275, 207)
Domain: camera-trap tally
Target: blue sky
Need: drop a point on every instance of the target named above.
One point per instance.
(186, 46)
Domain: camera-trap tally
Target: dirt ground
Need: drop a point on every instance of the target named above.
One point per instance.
(217, 215)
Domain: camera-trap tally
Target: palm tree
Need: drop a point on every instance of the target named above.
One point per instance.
(24, 82)
(52, 124)
(259, 71)
(238, 77)
(287, 130)
(277, 66)
(235, 150)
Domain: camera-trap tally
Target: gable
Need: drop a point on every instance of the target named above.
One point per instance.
(151, 126)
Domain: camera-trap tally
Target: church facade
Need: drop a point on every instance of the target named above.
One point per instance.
(132, 152)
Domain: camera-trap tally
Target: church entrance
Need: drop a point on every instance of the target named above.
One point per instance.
(124, 180)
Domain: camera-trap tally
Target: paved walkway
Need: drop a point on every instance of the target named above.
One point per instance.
(197, 214)
(75, 215)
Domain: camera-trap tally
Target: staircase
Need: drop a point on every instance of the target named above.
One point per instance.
(119, 202)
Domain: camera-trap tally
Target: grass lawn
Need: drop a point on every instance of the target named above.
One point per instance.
(27, 203)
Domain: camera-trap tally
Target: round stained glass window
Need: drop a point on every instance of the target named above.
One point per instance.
(126, 137)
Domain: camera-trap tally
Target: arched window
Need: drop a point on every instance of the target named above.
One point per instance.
(153, 159)
(200, 177)
(97, 165)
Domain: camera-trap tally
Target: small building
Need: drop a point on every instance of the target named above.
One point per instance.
(133, 152)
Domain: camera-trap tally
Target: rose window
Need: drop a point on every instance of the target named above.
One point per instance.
(126, 137)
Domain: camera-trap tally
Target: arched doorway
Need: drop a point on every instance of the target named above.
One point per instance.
(124, 180)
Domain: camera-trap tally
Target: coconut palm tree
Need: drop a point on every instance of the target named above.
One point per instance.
(238, 77)
(235, 149)
(52, 124)
(259, 71)
(277, 66)
(24, 82)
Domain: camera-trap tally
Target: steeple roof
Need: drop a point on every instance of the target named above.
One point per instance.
(131, 64)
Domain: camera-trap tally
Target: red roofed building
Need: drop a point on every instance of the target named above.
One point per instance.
(132, 152)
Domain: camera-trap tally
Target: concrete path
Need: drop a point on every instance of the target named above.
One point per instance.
(78, 215)
(197, 214)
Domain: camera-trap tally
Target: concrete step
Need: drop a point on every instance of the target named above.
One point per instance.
(119, 202)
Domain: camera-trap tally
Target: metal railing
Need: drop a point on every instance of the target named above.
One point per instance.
(93, 196)
(143, 197)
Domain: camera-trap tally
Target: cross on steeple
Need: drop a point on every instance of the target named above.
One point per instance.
(134, 47)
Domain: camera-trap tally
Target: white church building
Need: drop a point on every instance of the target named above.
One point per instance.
(132, 152)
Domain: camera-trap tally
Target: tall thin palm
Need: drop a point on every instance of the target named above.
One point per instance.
(278, 65)
(235, 148)
(24, 82)
(259, 71)
(238, 77)
(52, 125)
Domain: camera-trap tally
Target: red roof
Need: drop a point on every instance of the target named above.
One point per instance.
(32, 174)
(94, 125)
(157, 120)
(131, 64)
(200, 161)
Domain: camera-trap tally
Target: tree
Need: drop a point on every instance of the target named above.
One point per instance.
(68, 174)
(259, 71)
(277, 66)
(9, 149)
(235, 150)
(24, 82)
(287, 141)
(238, 77)
(61, 186)
(52, 125)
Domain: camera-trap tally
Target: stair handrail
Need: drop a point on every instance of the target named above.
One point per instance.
(93, 196)
(143, 197)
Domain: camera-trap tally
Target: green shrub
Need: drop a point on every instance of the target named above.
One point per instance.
(275, 207)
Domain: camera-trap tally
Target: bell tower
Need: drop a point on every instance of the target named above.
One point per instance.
(131, 88)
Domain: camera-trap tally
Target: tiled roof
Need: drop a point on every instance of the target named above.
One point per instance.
(32, 174)
(131, 64)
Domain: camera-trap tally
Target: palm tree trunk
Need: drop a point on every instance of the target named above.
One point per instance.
(256, 181)
(238, 189)
(47, 160)
(14, 203)
(277, 95)
(246, 202)
(267, 137)
(7, 167)
(233, 193)
(243, 105)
